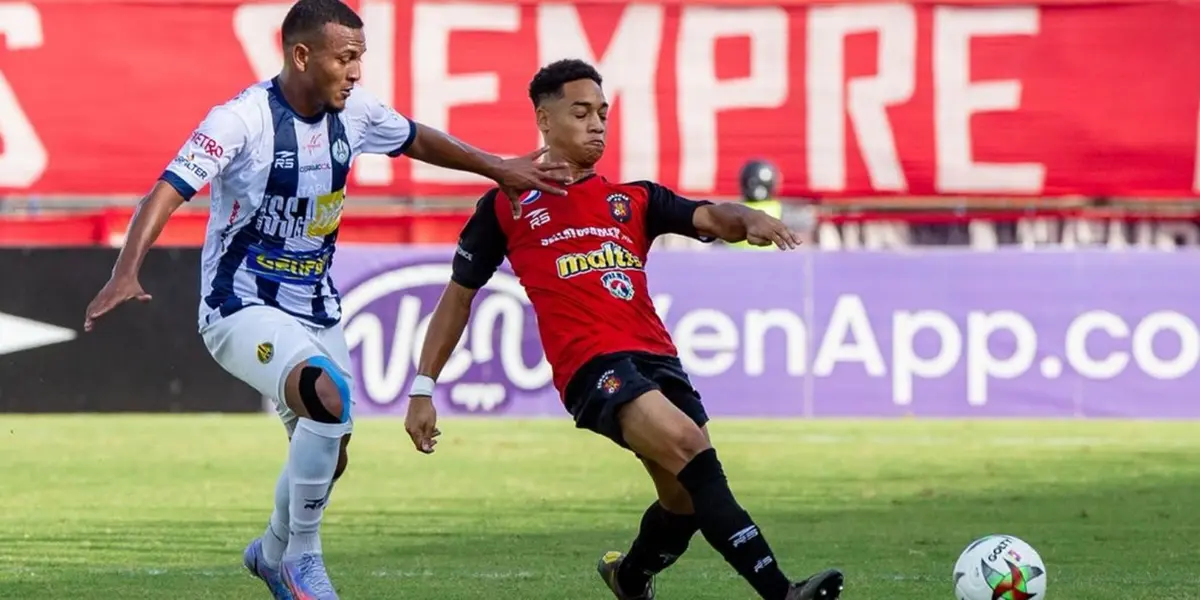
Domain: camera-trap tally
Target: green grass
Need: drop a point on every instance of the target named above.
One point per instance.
(161, 507)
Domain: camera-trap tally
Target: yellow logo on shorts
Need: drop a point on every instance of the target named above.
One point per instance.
(265, 352)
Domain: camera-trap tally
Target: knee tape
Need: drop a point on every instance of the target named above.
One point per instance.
(312, 400)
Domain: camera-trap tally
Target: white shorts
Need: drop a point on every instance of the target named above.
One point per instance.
(260, 345)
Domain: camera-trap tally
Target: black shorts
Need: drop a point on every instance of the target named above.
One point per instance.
(605, 383)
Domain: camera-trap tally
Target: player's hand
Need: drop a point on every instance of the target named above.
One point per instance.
(116, 292)
(421, 423)
(763, 230)
(515, 176)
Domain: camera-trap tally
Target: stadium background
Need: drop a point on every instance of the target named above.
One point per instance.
(1000, 209)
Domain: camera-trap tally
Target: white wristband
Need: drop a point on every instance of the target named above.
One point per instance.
(422, 385)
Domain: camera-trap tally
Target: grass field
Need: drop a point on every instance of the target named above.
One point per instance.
(161, 507)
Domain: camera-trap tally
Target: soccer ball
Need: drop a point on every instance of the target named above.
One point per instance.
(999, 567)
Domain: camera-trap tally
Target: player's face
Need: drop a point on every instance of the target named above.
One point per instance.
(336, 65)
(575, 125)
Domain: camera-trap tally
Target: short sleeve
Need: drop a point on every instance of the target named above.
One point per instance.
(668, 212)
(481, 245)
(211, 147)
(387, 131)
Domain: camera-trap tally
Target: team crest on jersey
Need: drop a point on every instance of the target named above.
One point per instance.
(609, 382)
(265, 352)
(341, 151)
(620, 207)
(531, 197)
(618, 284)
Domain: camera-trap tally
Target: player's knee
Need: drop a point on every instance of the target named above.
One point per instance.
(324, 392)
(687, 440)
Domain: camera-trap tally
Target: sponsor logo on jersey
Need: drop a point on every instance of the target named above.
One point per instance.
(188, 162)
(287, 218)
(572, 233)
(307, 268)
(610, 256)
(208, 145)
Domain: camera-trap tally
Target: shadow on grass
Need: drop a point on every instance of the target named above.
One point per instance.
(1130, 540)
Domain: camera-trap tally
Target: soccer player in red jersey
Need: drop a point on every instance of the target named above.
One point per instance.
(581, 259)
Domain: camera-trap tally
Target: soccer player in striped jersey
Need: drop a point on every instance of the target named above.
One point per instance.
(277, 157)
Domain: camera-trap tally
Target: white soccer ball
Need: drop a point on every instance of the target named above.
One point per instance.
(999, 567)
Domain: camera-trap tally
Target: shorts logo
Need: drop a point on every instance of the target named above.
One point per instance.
(618, 284)
(609, 382)
(620, 207)
(265, 352)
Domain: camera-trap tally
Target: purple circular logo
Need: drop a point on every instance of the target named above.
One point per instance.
(497, 366)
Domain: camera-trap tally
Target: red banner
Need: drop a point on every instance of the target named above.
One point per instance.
(848, 99)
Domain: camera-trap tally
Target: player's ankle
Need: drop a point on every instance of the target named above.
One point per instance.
(302, 543)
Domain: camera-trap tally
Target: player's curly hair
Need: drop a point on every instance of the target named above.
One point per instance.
(307, 18)
(550, 79)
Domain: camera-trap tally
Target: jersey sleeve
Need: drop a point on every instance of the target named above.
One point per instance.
(481, 246)
(668, 212)
(387, 131)
(211, 147)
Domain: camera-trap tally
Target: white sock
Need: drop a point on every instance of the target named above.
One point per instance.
(275, 538)
(312, 459)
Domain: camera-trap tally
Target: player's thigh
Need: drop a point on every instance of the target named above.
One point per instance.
(658, 430)
(259, 345)
(596, 393)
(671, 494)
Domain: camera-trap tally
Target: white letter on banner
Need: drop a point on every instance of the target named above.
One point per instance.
(701, 95)
(981, 365)
(435, 90)
(256, 27)
(869, 96)
(24, 159)
(849, 318)
(956, 99)
(629, 66)
(379, 78)
(906, 364)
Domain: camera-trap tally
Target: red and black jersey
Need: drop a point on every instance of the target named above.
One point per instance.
(581, 259)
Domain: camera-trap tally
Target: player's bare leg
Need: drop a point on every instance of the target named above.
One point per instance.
(264, 554)
(319, 395)
(659, 431)
(664, 535)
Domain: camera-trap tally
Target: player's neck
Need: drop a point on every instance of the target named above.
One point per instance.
(292, 91)
(575, 170)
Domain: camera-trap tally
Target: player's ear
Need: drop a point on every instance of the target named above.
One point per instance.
(543, 119)
(300, 56)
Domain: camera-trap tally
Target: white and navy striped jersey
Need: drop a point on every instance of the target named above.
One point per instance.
(278, 188)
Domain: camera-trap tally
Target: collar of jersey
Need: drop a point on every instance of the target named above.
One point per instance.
(278, 92)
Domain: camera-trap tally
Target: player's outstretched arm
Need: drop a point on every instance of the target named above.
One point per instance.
(149, 218)
(733, 222)
(445, 329)
(482, 246)
(514, 175)
(706, 221)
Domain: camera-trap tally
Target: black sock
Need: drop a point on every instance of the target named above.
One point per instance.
(661, 540)
(729, 529)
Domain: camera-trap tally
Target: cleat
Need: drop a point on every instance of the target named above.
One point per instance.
(826, 585)
(253, 559)
(306, 579)
(609, 564)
